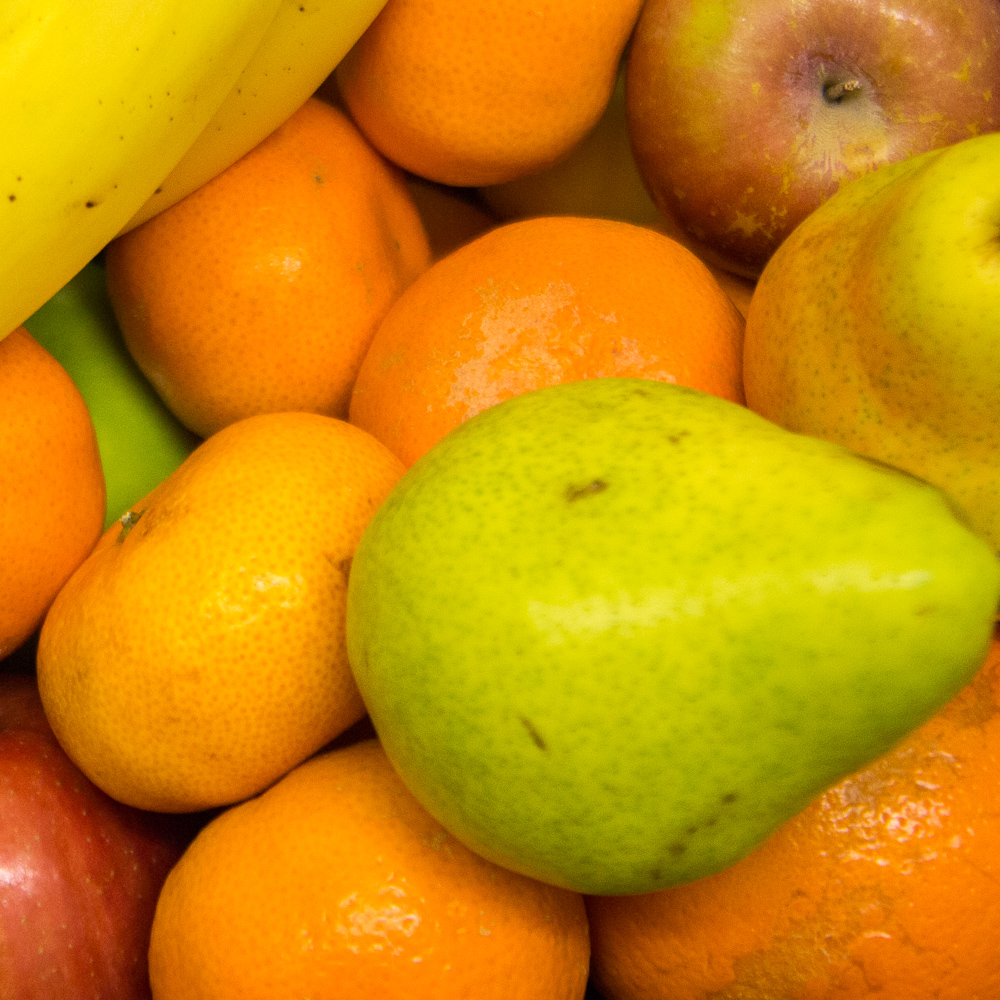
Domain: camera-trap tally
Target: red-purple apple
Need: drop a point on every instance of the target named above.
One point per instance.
(745, 114)
(79, 872)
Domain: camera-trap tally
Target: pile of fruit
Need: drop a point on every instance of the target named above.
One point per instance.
(500, 500)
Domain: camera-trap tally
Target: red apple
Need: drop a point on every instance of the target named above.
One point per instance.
(745, 114)
(79, 872)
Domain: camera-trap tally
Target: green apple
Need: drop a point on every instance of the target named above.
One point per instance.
(140, 440)
(613, 632)
(877, 323)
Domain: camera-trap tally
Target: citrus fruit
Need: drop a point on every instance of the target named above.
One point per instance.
(51, 486)
(885, 886)
(198, 653)
(451, 216)
(260, 291)
(538, 302)
(466, 93)
(598, 178)
(140, 440)
(335, 883)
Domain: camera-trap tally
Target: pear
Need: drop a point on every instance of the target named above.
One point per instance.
(612, 633)
(141, 442)
(876, 324)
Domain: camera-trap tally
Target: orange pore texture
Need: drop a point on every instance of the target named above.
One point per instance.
(335, 884)
(51, 484)
(200, 654)
(538, 302)
(885, 887)
(260, 291)
(467, 93)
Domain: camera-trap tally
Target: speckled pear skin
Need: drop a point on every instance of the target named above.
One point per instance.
(876, 324)
(612, 633)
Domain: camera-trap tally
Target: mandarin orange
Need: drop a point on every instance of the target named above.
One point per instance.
(538, 302)
(884, 887)
(598, 178)
(52, 492)
(335, 883)
(470, 93)
(199, 652)
(260, 291)
(451, 216)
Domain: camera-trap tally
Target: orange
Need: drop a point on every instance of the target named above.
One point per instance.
(737, 286)
(51, 484)
(198, 654)
(260, 291)
(467, 92)
(885, 887)
(598, 178)
(538, 302)
(336, 883)
(451, 216)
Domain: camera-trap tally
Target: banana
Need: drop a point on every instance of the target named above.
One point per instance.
(301, 49)
(100, 100)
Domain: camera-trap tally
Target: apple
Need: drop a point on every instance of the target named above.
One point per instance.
(745, 115)
(79, 873)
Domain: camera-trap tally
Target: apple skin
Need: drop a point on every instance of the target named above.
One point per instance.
(876, 324)
(79, 873)
(730, 125)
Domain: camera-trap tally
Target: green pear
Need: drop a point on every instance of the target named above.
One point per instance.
(611, 633)
(140, 440)
(877, 323)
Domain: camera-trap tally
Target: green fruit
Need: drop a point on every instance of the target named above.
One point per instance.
(611, 633)
(140, 440)
(876, 324)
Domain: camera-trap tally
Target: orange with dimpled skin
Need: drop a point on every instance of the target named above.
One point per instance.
(260, 291)
(52, 491)
(538, 302)
(470, 93)
(335, 884)
(199, 652)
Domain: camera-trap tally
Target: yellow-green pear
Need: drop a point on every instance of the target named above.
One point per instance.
(876, 324)
(613, 632)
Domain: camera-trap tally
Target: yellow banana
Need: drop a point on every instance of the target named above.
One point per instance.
(303, 45)
(98, 102)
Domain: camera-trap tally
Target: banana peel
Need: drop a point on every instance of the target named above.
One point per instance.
(301, 49)
(100, 102)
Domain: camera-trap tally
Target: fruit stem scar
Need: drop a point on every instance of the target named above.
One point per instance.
(533, 733)
(128, 522)
(836, 90)
(578, 492)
